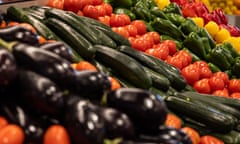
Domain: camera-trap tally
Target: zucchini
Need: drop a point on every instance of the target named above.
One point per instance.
(170, 72)
(212, 118)
(124, 65)
(18, 14)
(79, 43)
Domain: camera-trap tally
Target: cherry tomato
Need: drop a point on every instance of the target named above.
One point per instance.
(73, 5)
(223, 76)
(105, 19)
(234, 85)
(100, 10)
(108, 8)
(114, 83)
(172, 46)
(156, 36)
(223, 92)
(190, 73)
(202, 86)
(11, 134)
(122, 31)
(140, 25)
(59, 4)
(132, 30)
(207, 139)
(3, 122)
(56, 134)
(235, 95)
(186, 54)
(173, 121)
(85, 65)
(216, 83)
(97, 2)
(90, 11)
(192, 133)
(116, 20)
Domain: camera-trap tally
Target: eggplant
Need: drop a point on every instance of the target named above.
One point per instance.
(146, 110)
(40, 93)
(90, 84)
(83, 121)
(19, 33)
(60, 49)
(8, 67)
(167, 135)
(44, 62)
(117, 123)
(33, 129)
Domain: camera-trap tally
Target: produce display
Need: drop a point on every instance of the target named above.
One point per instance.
(110, 72)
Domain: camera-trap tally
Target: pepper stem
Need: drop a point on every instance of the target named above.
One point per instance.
(8, 45)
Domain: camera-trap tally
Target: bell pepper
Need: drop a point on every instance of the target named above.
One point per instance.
(236, 67)
(166, 27)
(172, 8)
(195, 44)
(175, 18)
(204, 33)
(230, 47)
(221, 57)
(188, 26)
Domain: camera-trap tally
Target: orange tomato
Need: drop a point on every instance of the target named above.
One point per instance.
(114, 83)
(11, 134)
(192, 133)
(173, 121)
(56, 134)
(85, 65)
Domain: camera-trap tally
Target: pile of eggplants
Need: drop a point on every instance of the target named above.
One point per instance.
(38, 88)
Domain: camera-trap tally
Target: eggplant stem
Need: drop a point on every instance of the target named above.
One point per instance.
(8, 45)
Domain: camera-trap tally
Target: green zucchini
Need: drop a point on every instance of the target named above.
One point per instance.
(70, 36)
(212, 118)
(124, 65)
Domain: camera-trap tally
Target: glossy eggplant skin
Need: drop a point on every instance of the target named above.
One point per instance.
(44, 62)
(147, 111)
(90, 84)
(83, 122)
(58, 48)
(33, 129)
(19, 33)
(8, 67)
(40, 93)
(117, 123)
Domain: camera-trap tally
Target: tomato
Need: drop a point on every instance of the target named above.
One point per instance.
(190, 73)
(234, 85)
(207, 139)
(116, 20)
(97, 2)
(175, 61)
(90, 11)
(108, 8)
(126, 18)
(216, 83)
(73, 5)
(114, 83)
(132, 30)
(202, 86)
(140, 25)
(85, 65)
(186, 54)
(172, 46)
(235, 95)
(56, 134)
(80, 13)
(11, 134)
(105, 19)
(192, 133)
(173, 121)
(224, 92)
(156, 37)
(122, 31)
(3, 122)
(223, 76)
(59, 4)
(149, 39)
(100, 10)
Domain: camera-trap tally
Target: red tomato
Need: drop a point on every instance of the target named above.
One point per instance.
(90, 11)
(207, 139)
(141, 26)
(190, 73)
(73, 5)
(173, 121)
(202, 86)
(216, 83)
(175, 61)
(97, 2)
(105, 20)
(192, 133)
(56, 134)
(100, 10)
(108, 8)
(224, 92)
(59, 4)
(235, 95)
(116, 20)
(126, 18)
(234, 85)
(186, 54)
(223, 76)
(172, 46)
(140, 44)
(122, 31)
(132, 30)
(11, 134)
(156, 37)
